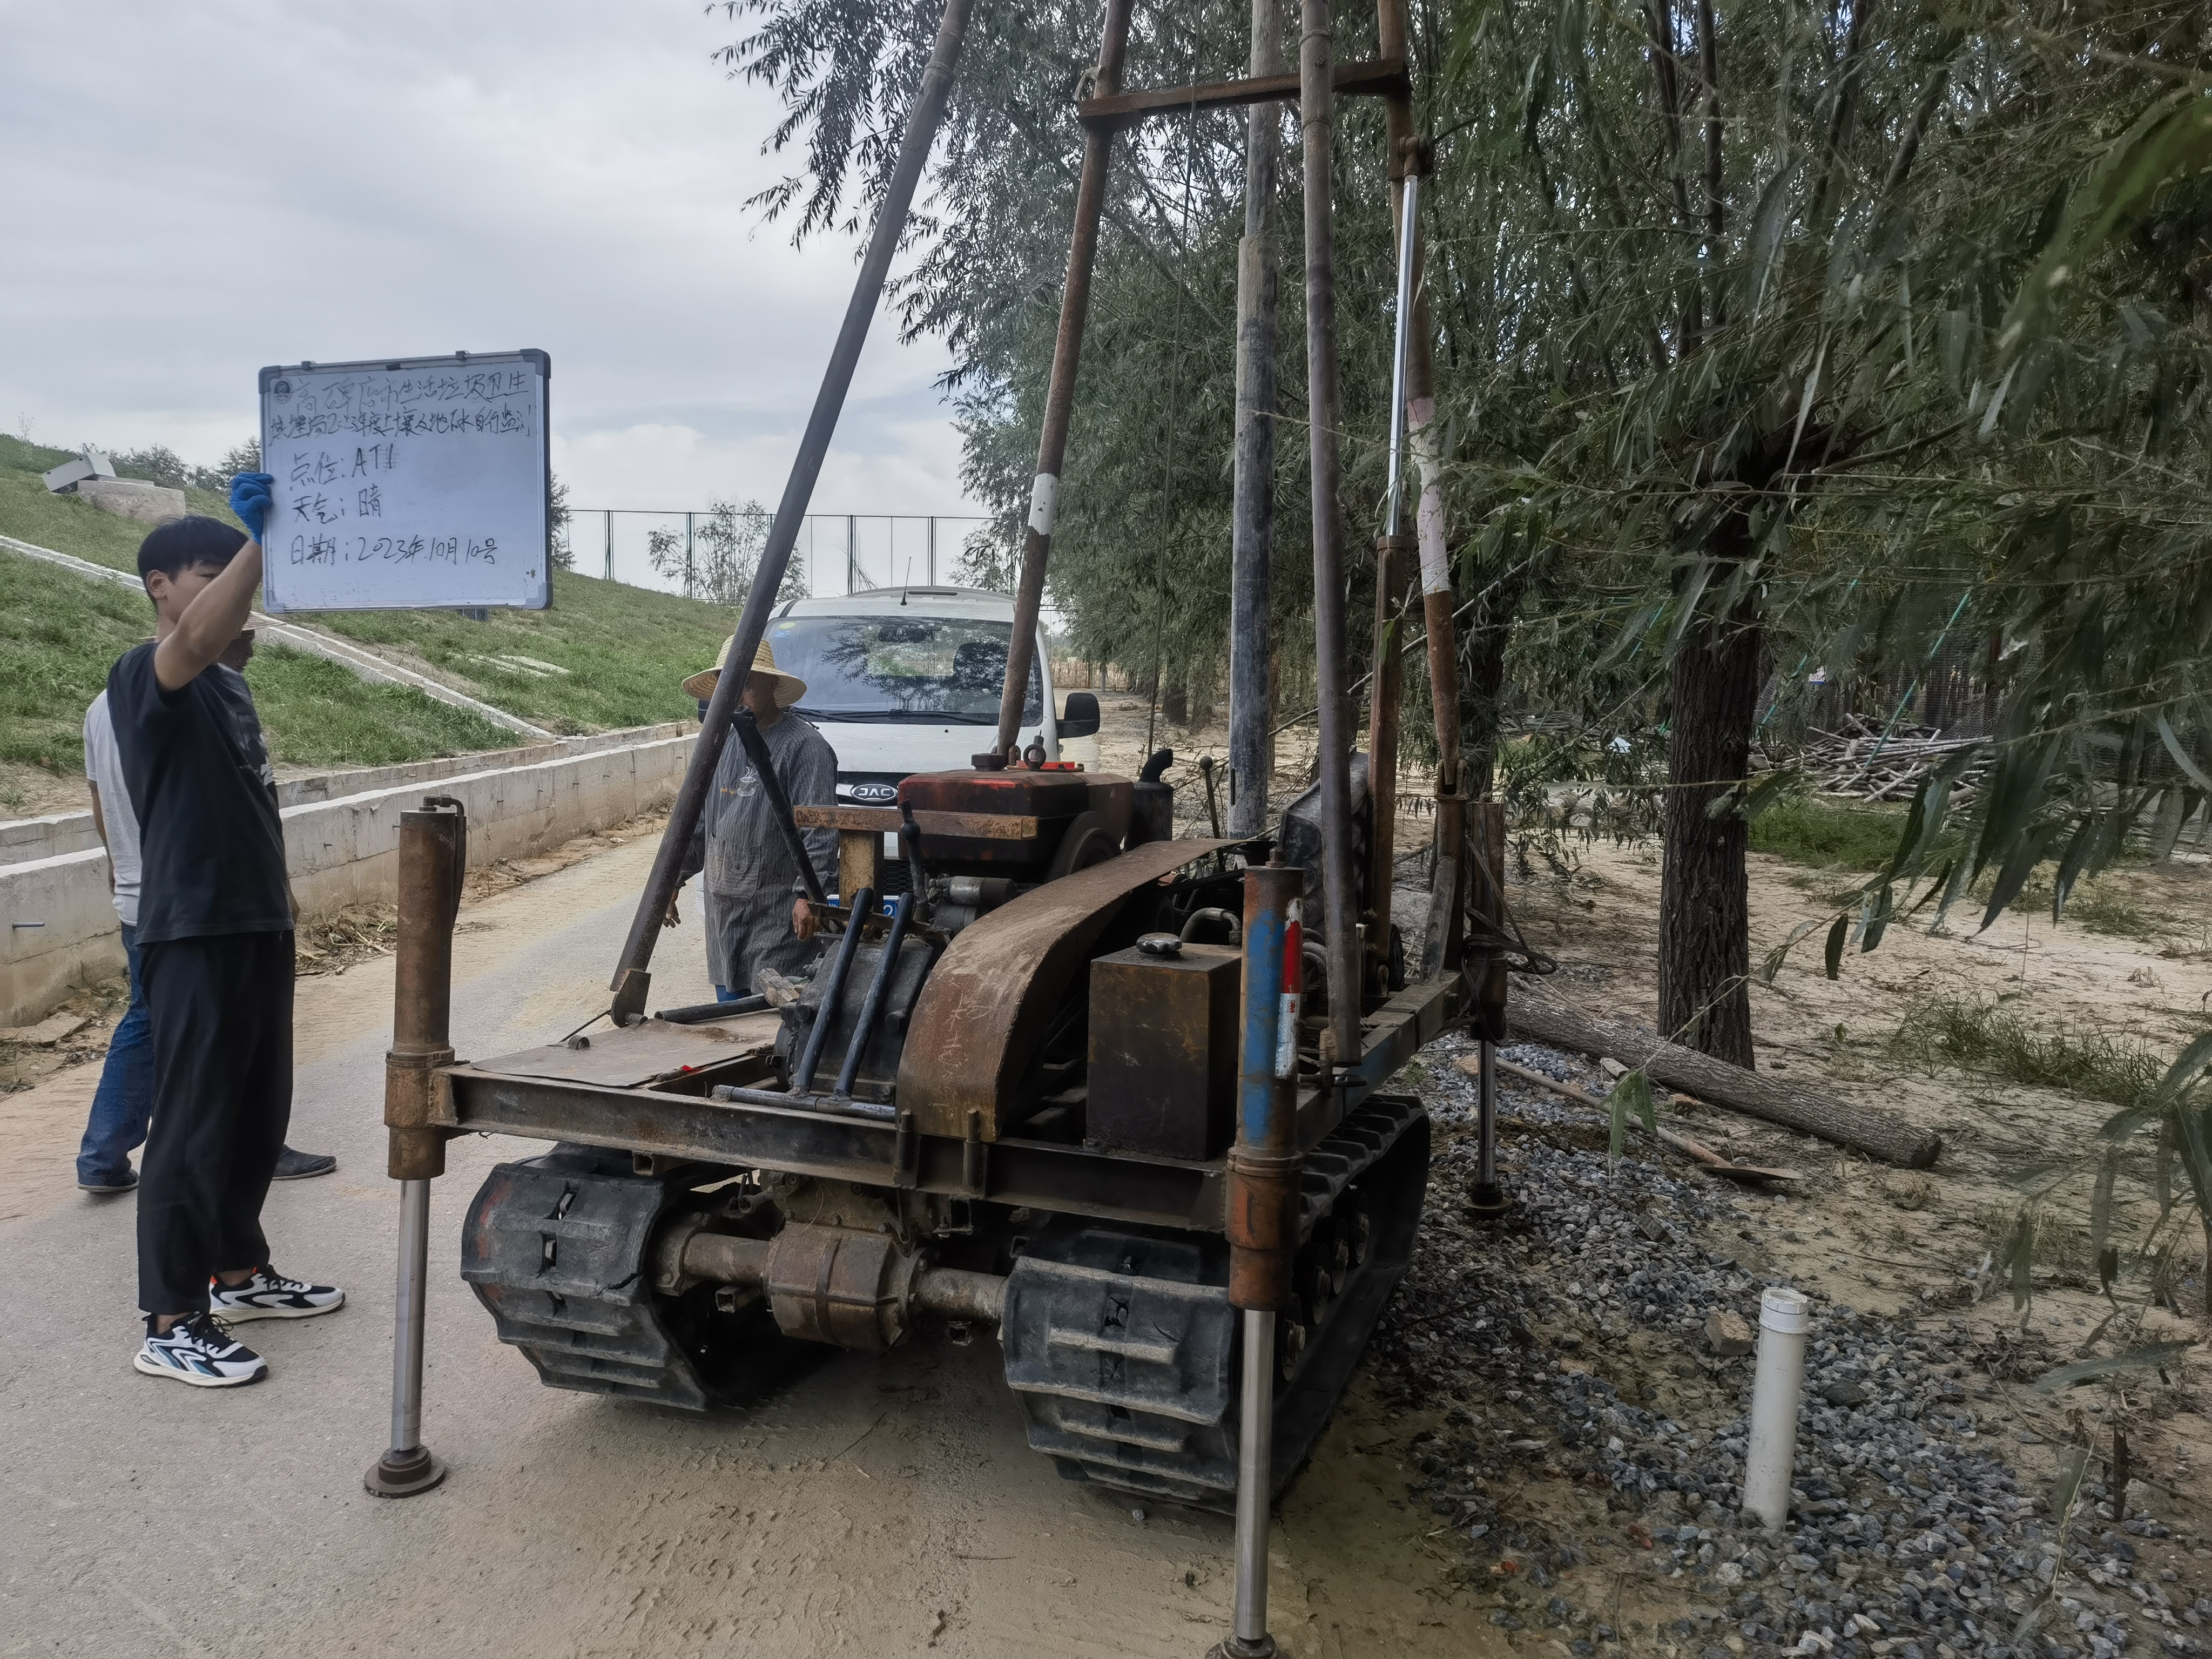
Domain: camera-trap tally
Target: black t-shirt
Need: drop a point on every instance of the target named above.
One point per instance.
(211, 846)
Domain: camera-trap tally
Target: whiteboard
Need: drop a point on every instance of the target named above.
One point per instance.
(407, 483)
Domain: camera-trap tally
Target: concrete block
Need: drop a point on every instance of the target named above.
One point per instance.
(130, 498)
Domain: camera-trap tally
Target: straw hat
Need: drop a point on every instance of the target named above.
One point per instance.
(789, 688)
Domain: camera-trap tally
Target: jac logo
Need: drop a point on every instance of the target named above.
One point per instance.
(875, 792)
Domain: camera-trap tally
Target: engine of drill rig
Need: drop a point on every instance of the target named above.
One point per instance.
(971, 842)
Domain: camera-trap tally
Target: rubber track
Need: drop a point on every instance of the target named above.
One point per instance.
(1122, 1347)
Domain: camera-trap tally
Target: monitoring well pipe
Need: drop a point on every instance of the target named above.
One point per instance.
(1776, 1389)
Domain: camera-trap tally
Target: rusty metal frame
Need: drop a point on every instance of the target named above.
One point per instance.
(1383, 77)
(871, 1151)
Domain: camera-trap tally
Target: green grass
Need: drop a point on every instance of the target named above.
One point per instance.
(60, 633)
(1827, 836)
(626, 649)
(1986, 1037)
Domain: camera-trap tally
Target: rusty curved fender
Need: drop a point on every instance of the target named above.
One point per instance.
(983, 1010)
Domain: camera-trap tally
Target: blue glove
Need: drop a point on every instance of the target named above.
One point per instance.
(250, 493)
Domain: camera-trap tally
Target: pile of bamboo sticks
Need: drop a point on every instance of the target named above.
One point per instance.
(1858, 762)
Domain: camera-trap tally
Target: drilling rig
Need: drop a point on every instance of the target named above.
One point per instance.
(1117, 1099)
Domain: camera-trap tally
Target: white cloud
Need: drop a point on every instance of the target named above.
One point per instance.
(198, 191)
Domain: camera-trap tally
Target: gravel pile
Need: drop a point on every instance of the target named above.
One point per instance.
(1908, 1537)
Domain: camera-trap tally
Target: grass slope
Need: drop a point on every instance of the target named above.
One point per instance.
(60, 633)
(626, 650)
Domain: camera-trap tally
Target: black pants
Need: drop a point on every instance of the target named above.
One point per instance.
(222, 1010)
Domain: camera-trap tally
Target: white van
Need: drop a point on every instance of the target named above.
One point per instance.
(907, 679)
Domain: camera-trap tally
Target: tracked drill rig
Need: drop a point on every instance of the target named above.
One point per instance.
(1116, 1098)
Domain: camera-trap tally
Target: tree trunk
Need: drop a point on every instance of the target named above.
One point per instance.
(1704, 917)
(1482, 684)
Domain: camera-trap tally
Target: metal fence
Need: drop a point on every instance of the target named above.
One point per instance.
(840, 552)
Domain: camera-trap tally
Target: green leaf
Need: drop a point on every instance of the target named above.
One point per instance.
(2026, 853)
(2017, 1257)
(1771, 964)
(2194, 1062)
(2066, 1479)
(2077, 855)
(1768, 790)
(2196, 1155)
(1878, 907)
(1631, 1094)
(2101, 1200)
(2170, 140)
(2155, 1356)
(1838, 935)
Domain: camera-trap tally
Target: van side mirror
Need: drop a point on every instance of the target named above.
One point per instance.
(1081, 720)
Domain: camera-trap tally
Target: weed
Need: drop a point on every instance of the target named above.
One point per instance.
(1825, 835)
(1978, 1035)
(1909, 1192)
(2101, 909)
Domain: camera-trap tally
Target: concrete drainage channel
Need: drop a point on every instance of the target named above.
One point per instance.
(341, 837)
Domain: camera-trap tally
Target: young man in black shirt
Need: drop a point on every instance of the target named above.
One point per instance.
(215, 940)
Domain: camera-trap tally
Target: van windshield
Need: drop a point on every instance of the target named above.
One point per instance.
(936, 671)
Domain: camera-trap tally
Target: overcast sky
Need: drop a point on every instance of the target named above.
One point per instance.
(195, 188)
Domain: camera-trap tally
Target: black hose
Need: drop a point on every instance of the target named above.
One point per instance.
(779, 804)
(1162, 759)
(917, 879)
(872, 1010)
(699, 1013)
(832, 992)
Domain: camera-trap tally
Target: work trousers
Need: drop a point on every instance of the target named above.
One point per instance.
(222, 1009)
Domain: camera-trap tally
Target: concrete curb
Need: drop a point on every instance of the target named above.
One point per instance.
(61, 928)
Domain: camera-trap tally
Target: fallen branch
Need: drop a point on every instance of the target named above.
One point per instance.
(1694, 1149)
(1861, 1128)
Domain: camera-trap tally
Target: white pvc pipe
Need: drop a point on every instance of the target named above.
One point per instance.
(1783, 1316)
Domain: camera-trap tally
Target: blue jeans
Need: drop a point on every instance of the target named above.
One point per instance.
(124, 1102)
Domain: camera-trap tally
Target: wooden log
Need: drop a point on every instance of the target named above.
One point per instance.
(1696, 1149)
(1861, 1128)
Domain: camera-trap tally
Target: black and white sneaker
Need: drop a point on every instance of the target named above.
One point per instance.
(199, 1350)
(270, 1295)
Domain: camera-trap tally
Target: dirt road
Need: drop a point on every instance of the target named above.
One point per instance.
(882, 1505)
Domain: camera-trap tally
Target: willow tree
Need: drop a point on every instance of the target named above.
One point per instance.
(1771, 335)
(1751, 311)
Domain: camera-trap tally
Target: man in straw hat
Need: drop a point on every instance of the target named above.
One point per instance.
(756, 914)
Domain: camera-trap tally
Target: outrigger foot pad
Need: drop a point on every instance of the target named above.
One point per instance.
(402, 1474)
(1487, 1199)
(1230, 1648)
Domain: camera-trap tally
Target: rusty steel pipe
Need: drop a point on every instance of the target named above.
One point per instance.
(1263, 1213)
(433, 856)
(1486, 1012)
(632, 979)
(1341, 902)
(1059, 395)
(1385, 702)
(1410, 158)
(1258, 283)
